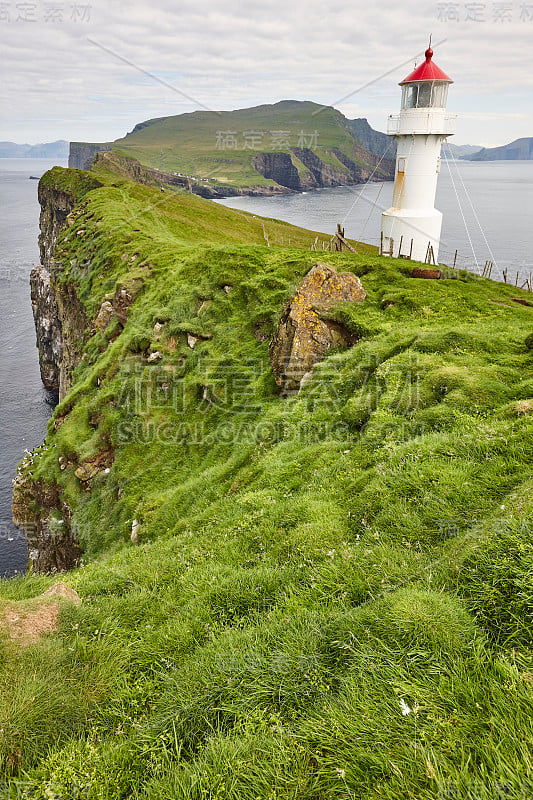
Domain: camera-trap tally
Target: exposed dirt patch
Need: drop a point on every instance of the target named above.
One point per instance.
(26, 621)
(525, 406)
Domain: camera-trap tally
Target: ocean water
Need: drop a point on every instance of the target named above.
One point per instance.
(25, 405)
(501, 194)
(487, 207)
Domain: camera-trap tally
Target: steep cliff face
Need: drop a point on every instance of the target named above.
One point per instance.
(82, 154)
(59, 318)
(75, 330)
(61, 329)
(47, 326)
(278, 167)
(348, 171)
(321, 174)
(55, 207)
(360, 174)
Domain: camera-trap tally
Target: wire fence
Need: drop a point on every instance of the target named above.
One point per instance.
(521, 277)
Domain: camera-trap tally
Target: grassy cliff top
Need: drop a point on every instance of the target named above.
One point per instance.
(330, 594)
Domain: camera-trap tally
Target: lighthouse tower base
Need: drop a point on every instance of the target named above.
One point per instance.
(409, 233)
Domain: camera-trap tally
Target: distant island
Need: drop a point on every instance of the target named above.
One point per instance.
(58, 149)
(519, 150)
(268, 149)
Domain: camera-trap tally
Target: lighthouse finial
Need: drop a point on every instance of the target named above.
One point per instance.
(429, 52)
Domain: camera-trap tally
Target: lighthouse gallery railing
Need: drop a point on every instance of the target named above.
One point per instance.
(421, 122)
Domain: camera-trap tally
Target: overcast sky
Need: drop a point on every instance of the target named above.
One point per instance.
(65, 70)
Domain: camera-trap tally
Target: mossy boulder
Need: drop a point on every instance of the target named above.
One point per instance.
(305, 333)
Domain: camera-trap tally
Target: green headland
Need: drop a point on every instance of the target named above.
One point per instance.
(315, 596)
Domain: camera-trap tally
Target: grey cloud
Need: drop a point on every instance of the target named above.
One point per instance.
(235, 54)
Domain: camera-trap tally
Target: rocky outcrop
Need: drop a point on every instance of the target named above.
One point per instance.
(82, 154)
(41, 511)
(278, 167)
(46, 522)
(359, 174)
(306, 330)
(47, 327)
(320, 173)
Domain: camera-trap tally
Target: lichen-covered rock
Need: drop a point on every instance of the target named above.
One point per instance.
(64, 591)
(92, 467)
(305, 333)
(135, 528)
(125, 296)
(104, 316)
(86, 471)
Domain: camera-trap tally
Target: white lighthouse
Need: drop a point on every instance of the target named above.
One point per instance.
(411, 227)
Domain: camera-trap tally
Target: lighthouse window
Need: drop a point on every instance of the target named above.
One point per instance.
(427, 94)
(410, 92)
(424, 95)
(439, 95)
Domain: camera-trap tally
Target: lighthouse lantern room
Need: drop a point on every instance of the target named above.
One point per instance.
(411, 227)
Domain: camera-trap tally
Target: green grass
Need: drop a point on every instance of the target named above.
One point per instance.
(307, 567)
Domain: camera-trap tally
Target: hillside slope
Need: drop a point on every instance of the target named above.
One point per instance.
(376, 142)
(321, 596)
(291, 144)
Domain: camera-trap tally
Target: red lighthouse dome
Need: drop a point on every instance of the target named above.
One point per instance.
(427, 71)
